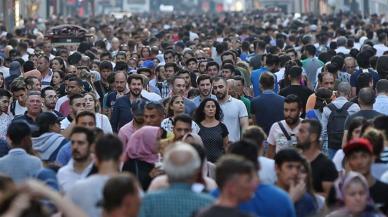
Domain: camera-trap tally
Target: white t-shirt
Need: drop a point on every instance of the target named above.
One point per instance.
(67, 177)
(277, 138)
(102, 122)
(267, 173)
(19, 110)
(233, 109)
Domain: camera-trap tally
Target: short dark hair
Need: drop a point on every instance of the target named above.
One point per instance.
(135, 77)
(77, 80)
(295, 72)
(366, 96)
(75, 96)
(267, 80)
(200, 111)
(183, 118)
(202, 78)
(230, 165)
(43, 91)
(155, 105)
(310, 49)
(83, 114)
(174, 65)
(88, 133)
(381, 123)
(382, 86)
(292, 98)
(17, 131)
(255, 134)
(287, 155)
(212, 63)
(4, 92)
(108, 147)
(116, 189)
(246, 149)
(315, 126)
(106, 65)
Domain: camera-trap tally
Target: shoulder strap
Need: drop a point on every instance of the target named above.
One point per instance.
(332, 107)
(284, 131)
(347, 105)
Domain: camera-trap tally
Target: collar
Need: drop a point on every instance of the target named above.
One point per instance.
(180, 185)
(268, 92)
(17, 151)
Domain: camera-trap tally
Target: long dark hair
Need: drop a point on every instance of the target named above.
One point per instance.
(354, 124)
(200, 112)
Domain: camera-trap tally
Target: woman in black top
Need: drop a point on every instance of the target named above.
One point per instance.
(213, 132)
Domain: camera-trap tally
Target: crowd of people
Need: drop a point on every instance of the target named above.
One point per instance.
(230, 114)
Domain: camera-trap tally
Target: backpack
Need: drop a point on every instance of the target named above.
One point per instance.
(336, 124)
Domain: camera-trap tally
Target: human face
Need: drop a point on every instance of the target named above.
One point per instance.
(202, 67)
(226, 73)
(56, 78)
(34, 104)
(356, 133)
(73, 88)
(169, 72)
(288, 173)
(220, 89)
(120, 82)
(36, 86)
(55, 65)
(360, 161)
(169, 58)
(72, 70)
(227, 57)
(212, 71)
(187, 78)
(239, 87)
(162, 73)
(50, 99)
(179, 87)
(105, 73)
(291, 113)
(245, 186)
(303, 136)
(43, 65)
(205, 87)
(34, 59)
(328, 81)
(86, 121)
(192, 65)
(78, 106)
(180, 129)
(152, 117)
(145, 53)
(21, 96)
(90, 104)
(120, 58)
(291, 55)
(178, 105)
(80, 147)
(4, 103)
(210, 109)
(355, 197)
(350, 66)
(136, 86)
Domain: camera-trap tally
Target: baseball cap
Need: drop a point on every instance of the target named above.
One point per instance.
(359, 143)
(148, 64)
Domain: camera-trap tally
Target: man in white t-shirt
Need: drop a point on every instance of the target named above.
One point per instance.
(283, 133)
(234, 110)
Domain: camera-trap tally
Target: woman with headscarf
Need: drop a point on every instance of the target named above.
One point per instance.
(352, 192)
(47, 141)
(142, 153)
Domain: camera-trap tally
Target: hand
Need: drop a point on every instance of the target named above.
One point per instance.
(297, 189)
(156, 172)
(18, 205)
(37, 188)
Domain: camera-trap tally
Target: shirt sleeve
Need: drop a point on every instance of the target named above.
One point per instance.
(242, 109)
(271, 135)
(330, 171)
(225, 131)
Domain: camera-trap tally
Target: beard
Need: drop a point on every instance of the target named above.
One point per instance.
(291, 121)
(136, 92)
(220, 96)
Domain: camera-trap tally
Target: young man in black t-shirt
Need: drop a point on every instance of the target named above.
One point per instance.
(323, 170)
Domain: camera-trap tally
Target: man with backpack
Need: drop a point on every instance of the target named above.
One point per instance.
(334, 116)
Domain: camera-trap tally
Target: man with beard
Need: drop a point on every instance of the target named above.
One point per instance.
(235, 112)
(205, 87)
(283, 133)
(45, 71)
(81, 162)
(120, 85)
(73, 87)
(323, 170)
(50, 98)
(121, 110)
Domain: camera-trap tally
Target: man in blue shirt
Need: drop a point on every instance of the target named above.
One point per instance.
(267, 108)
(271, 65)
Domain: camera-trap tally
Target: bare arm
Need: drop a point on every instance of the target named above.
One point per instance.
(326, 188)
(244, 123)
(271, 151)
(226, 143)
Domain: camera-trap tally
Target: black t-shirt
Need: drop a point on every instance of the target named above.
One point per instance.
(301, 91)
(367, 114)
(323, 170)
(379, 194)
(221, 211)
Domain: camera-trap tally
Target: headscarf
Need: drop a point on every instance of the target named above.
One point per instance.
(344, 180)
(142, 144)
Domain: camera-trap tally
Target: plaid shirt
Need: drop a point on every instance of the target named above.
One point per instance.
(176, 201)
